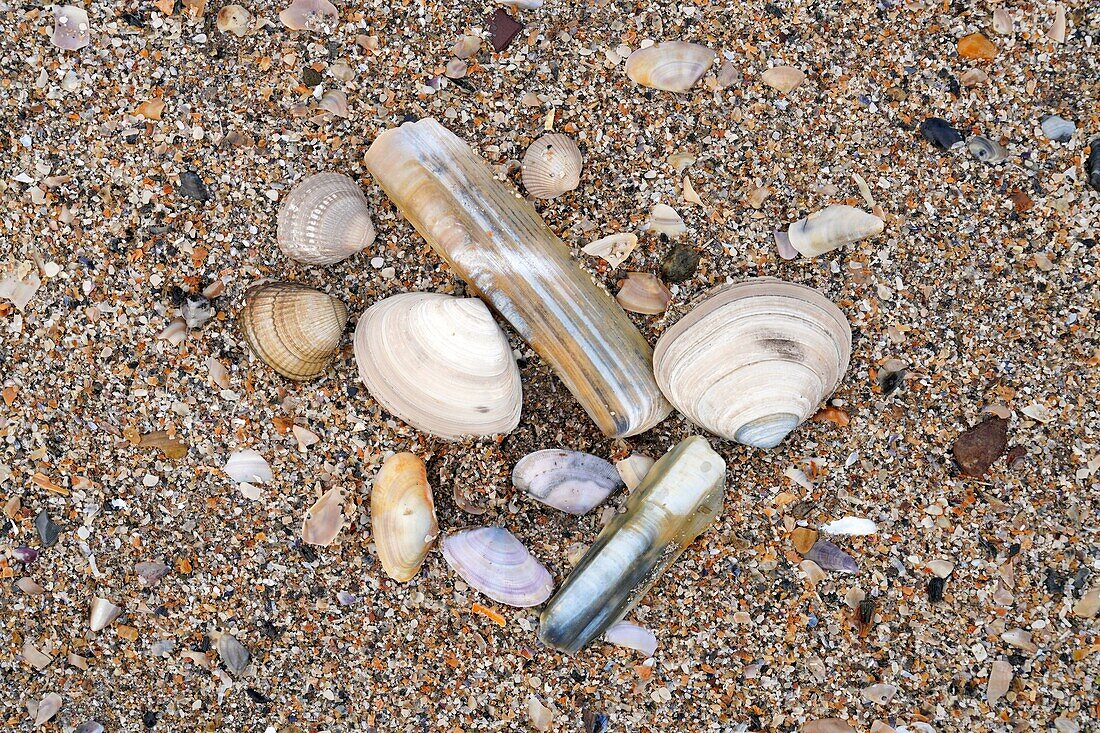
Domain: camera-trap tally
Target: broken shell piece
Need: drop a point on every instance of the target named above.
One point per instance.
(663, 219)
(1057, 30)
(175, 332)
(1056, 128)
(456, 69)
(1002, 21)
(466, 46)
(613, 249)
(335, 102)
(234, 19)
(641, 292)
(196, 310)
(754, 359)
(311, 15)
(672, 66)
(47, 708)
(71, 28)
(248, 466)
(940, 568)
(294, 329)
(402, 515)
(850, 526)
(632, 636)
(633, 469)
(541, 716)
(783, 78)
(681, 161)
(325, 518)
(232, 653)
(492, 561)
(1021, 639)
(879, 694)
(832, 558)
(783, 245)
(834, 226)
(571, 481)
(689, 193)
(103, 614)
(551, 166)
(1000, 679)
(325, 218)
(439, 363)
(986, 150)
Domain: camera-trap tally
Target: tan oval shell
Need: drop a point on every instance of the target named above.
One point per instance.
(325, 518)
(440, 363)
(643, 293)
(783, 78)
(402, 515)
(293, 328)
(834, 226)
(325, 217)
(754, 359)
(672, 66)
(234, 19)
(552, 166)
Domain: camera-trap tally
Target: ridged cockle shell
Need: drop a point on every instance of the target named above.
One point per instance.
(672, 66)
(325, 218)
(494, 562)
(402, 515)
(832, 227)
(293, 328)
(551, 166)
(571, 481)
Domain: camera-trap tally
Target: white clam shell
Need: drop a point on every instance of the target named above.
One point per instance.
(663, 219)
(754, 359)
(325, 519)
(633, 469)
(103, 614)
(632, 636)
(672, 66)
(613, 249)
(234, 19)
(493, 561)
(248, 466)
(440, 363)
(294, 329)
(325, 218)
(857, 526)
(834, 226)
(551, 166)
(402, 515)
(571, 481)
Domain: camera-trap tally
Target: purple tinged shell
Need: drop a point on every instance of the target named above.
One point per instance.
(832, 558)
(571, 481)
(71, 28)
(493, 561)
(151, 572)
(25, 555)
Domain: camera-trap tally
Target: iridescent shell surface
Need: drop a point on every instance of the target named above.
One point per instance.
(493, 561)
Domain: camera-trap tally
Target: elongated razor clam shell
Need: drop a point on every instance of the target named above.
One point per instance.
(439, 363)
(754, 359)
(680, 497)
(497, 242)
(832, 227)
(672, 66)
(294, 329)
(494, 562)
(402, 515)
(551, 166)
(324, 219)
(571, 481)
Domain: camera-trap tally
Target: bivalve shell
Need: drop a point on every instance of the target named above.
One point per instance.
(783, 78)
(641, 292)
(293, 328)
(832, 227)
(71, 28)
(325, 519)
(494, 562)
(672, 66)
(613, 249)
(234, 19)
(103, 614)
(552, 166)
(632, 636)
(439, 363)
(986, 150)
(754, 359)
(402, 515)
(571, 481)
(324, 219)
(664, 219)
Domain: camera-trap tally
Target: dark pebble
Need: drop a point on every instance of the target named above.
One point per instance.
(256, 696)
(503, 28)
(935, 589)
(977, 448)
(48, 532)
(1092, 165)
(149, 718)
(594, 722)
(192, 187)
(679, 264)
(311, 77)
(940, 133)
(1054, 582)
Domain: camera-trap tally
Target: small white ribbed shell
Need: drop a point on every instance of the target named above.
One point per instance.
(552, 166)
(439, 363)
(324, 219)
(672, 66)
(754, 359)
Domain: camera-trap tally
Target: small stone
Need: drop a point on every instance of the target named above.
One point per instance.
(977, 46)
(311, 77)
(679, 264)
(940, 133)
(192, 187)
(48, 532)
(935, 589)
(977, 448)
(503, 28)
(1092, 165)
(803, 538)
(89, 726)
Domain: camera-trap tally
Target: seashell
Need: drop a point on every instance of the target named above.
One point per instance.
(29, 587)
(986, 150)
(676, 502)
(89, 726)
(402, 515)
(641, 292)
(1089, 604)
(1057, 30)
(174, 333)
(234, 19)
(571, 481)
(613, 249)
(440, 363)
(1020, 639)
(879, 694)
(293, 328)
(828, 725)
(1092, 164)
(47, 708)
(1002, 22)
(341, 71)
(541, 716)
(681, 161)
(783, 245)
(551, 166)
(150, 572)
(248, 466)
(305, 437)
(663, 219)
(754, 359)
(727, 75)
(496, 241)
(633, 469)
(103, 614)
(814, 573)
(783, 78)
(856, 526)
(690, 196)
(1000, 679)
(832, 558)
(335, 102)
(232, 653)
(973, 77)
(71, 28)
(466, 46)
(941, 568)
(324, 219)
(311, 15)
(632, 636)
(1058, 129)
(492, 561)
(940, 133)
(672, 66)
(196, 310)
(456, 69)
(325, 519)
(832, 227)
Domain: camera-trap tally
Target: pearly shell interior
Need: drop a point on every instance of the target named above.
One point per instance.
(402, 515)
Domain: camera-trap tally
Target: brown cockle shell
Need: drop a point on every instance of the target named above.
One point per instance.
(293, 328)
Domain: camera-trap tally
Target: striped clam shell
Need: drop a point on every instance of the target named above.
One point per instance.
(324, 219)
(672, 66)
(493, 561)
(552, 166)
(293, 328)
